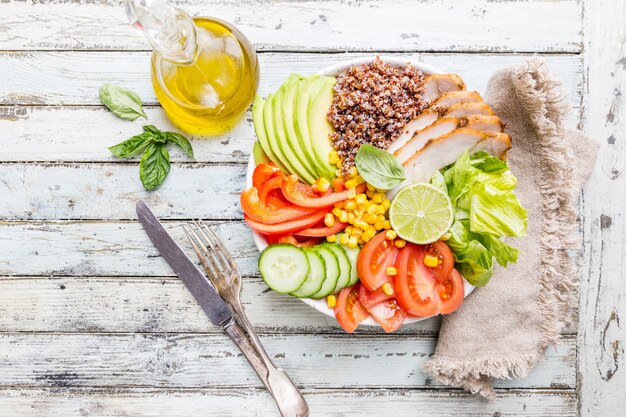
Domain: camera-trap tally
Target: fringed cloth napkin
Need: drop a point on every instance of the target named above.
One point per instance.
(503, 329)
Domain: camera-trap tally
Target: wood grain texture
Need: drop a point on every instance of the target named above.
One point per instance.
(143, 402)
(323, 25)
(602, 361)
(213, 361)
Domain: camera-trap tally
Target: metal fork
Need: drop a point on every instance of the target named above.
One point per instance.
(222, 271)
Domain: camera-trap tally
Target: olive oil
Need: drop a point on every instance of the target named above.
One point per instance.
(209, 95)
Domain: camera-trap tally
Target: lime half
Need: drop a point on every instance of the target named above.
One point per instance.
(421, 213)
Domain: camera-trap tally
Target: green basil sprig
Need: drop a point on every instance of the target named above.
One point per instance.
(155, 161)
(378, 168)
(122, 102)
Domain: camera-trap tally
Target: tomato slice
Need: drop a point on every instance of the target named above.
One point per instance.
(349, 312)
(262, 173)
(255, 209)
(451, 292)
(304, 196)
(323, 231)
(388, 314)
(371, 298)
(374, 258)
(442, 252)
(286, 228)
(414, 283)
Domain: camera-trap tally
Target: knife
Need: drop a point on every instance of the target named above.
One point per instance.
(290, 403)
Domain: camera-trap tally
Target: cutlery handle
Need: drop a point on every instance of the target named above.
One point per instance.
(288, 398)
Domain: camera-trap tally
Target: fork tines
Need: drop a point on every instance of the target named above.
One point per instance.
(210, 249)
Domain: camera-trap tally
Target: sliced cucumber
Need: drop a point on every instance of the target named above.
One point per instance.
(332, 271)
(345, 266)
(353, 254)
(316, 276)
(284, 267)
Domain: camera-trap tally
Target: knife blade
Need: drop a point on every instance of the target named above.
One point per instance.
(194, 279)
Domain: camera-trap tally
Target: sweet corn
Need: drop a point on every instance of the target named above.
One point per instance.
(353, 172)
(370, 193)
(339, 205)
(385, 203)
(338, 173)
(358, 212)
(329, 219)
(380, 218)
(400, 243)
(351, 217)
(356, 232)
(388, 288)
(344, 239)
(322, 185)
(391, 234)
(364, 238)
(387, 224)
(351, 193)
(391, 271)
(380, 209)
(331, 238)
(371, 210)
(360, 198)
(354, 182)
(343, 217)
(369, 218)
(368, 234)
(331, 301)
(337, 211)
(353, 242)
(378, 198)
(348, 229)
(360, 241)
(339, 165)
(370, 187)
(379, 225)
(366, 205)
(431, 261)
(333, 157)
(349, 205)
(447, 236)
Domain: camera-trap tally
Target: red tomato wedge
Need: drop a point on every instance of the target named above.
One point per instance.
(371, 298)
(286, 228)
(418, 291)
(349, 312)
(442, 252)
(322, 231)
(303, 195)
(256, 210)
(388, 314)
(374, 258)
(262, 173)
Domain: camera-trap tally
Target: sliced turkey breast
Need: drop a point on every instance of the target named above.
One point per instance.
(425, 118)
(438, 84)
(469, 109)
(455, 97)
(440, 127)
(484, 123)
(497, 144)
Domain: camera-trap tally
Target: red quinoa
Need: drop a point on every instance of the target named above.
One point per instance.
(372, 103)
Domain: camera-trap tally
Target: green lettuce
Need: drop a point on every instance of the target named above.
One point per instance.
(486, 210)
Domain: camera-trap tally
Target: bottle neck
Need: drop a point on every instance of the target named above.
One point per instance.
(170, 31)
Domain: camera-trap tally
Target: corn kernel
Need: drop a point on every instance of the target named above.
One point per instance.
(364, 238)
(379, 225)
(391, 271)
(380, 218)
(388, 288)
(360, 198)
(353, 172)
(361, 223)
(344, 239)
(368, 234)
(350, 205)
(356, 232)
(431, 261)
(447, 236)
(339, 205)
(331, 238)
(370, 187)
(337, 211)
(339, 165)
(329, 219)
(371, 210)
(333, 157)
(400, 243)
(368, 218)
(385, 203)
(348, 229)
(351, 193)
(366, 205)
(353, 242)
(387, 224)
(351, 217)
(378, 198)
(380, 209)
(358, 213)
(343, 216)
(322, 185)
(370, 194)
(331, 301)
(361, 241)
(391, 234)
(378, 190)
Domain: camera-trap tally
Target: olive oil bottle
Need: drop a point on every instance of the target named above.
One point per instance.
(204, 71)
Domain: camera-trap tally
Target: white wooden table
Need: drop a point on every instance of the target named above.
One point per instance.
(93, 322)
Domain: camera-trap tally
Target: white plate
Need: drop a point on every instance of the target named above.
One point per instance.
(320, 305)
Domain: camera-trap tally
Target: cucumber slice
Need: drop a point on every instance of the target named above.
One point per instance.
(345, 266)
(353, 254)
(316, 276)
(332, 271)
(284, 267)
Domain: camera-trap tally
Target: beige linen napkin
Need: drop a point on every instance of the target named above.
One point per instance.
(502, 330)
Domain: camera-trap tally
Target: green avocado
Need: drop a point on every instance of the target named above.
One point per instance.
(261, 133)
(301, 120)
(320, 128)
(273, 127)
(259, 156)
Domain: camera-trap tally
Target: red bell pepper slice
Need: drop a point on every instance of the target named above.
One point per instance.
(254, 208)
(292, 240)
(286, 228)
(262, 173)
(304, 196)
(273, 183)
(322, 231)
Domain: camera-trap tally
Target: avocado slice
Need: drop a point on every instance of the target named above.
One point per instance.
(320, 128)
(269, 119)
(290, 159)
(307, 86)
(259, 156)
(261, 133)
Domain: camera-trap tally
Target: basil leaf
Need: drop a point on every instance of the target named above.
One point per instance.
(378, 167)
(154, 166)
(131, 146)
(151, 129)
(181, 141)
(121, 101)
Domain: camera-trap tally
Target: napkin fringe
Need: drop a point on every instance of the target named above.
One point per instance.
(545, 102)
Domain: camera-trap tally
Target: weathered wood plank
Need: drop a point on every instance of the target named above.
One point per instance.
(602, 362)
(140, 402)
(73, 78)
(213, 361)
(324, 25)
